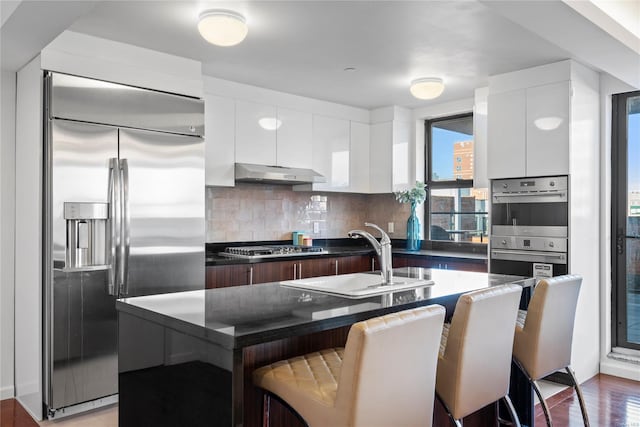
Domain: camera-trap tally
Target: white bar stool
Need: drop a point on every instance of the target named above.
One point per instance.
(474, 365)
(384, 376)
(544, 335)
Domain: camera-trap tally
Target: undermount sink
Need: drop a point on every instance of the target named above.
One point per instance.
(356, 285)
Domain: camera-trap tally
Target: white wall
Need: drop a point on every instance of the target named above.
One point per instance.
(584, 216)
(28, 239)
(7, 215)
(608, 86)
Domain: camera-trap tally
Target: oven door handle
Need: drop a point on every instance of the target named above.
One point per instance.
(549, 196)
(529, 256)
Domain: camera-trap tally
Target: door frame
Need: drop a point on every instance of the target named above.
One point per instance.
(619, 156)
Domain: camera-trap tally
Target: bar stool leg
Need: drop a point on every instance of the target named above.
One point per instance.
(543, 403)
(266, 409)
(512, 411)
(583, 407)
(457, 423)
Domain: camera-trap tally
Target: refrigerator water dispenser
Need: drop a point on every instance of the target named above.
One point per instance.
(86, 234)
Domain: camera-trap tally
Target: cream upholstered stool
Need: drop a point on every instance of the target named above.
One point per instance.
(544, 334)
(474, 366)
(384, 376)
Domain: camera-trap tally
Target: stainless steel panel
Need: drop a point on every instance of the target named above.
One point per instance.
(80, 171)
(530, 185)
(166, 209)
(529, 256)
(82, 210)
(530, 190)
(85, 363)
(549, 244)
(529, 230)
(80, 322)
(549, 197)
(95, 101)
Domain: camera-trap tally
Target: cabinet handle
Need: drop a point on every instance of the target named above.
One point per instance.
(300, 271)
(336, 267)
(251, 275)
(295, 270)
(373, 264)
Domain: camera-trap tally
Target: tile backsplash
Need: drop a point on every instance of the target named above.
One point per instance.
(253, 212)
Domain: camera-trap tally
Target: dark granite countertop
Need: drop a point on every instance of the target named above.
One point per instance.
(245, 315)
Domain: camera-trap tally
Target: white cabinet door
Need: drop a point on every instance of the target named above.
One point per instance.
(401, 156)
(256, 126)
(381, 155)
(359, 153)
(548, 129)
(480, 179)
(219, 127)
(331, 152)
(506, 147)
(294, 139)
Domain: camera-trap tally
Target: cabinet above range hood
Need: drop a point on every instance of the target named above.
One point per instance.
(246, 172)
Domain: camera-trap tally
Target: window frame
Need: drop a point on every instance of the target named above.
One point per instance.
(619, 232)
(457, 183)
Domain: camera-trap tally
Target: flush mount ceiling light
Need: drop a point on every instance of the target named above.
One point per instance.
(222, 27)
(427, 88)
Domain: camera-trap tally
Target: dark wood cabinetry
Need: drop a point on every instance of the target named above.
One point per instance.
(462, 264)
(220, 276)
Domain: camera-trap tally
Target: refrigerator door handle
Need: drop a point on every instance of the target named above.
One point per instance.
(113, 242)
(126, 227)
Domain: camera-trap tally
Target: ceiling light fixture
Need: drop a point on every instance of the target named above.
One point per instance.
(427, 87)
(222, 27)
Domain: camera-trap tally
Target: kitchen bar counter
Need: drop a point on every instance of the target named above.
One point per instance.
(195, 350)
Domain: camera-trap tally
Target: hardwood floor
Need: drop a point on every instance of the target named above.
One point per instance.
(12, 414)
(611, 402)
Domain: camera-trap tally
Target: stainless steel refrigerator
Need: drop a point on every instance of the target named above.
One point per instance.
(124, 216)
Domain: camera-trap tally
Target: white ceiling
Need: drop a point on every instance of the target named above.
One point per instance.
(302, 47)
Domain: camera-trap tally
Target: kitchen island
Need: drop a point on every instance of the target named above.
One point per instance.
(186, 358)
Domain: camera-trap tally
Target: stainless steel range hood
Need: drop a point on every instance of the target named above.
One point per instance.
(246, 172)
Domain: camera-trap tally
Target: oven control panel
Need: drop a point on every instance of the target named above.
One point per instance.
(547, 244)
(530, 185)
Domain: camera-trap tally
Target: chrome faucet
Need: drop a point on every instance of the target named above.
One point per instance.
(382, 248)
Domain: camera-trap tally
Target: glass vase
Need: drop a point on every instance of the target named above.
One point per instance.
(413, 230)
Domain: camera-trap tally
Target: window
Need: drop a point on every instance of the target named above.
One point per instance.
(456, 211)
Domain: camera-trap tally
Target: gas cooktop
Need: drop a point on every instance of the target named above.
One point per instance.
(275, 251)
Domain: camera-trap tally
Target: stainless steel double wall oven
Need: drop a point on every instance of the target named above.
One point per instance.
(530, 226)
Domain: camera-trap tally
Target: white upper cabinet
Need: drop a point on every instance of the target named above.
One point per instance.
(401, 156)
(256, 126)
(381, 158)
(294, 139)
(331, 152)
(360, 166)
(548, 129)
(529, 120)
(219, 124)
(391, 151)
(480, 107)
(529, 131)
(506, 147)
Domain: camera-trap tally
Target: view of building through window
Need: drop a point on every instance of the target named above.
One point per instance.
(457, 210)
